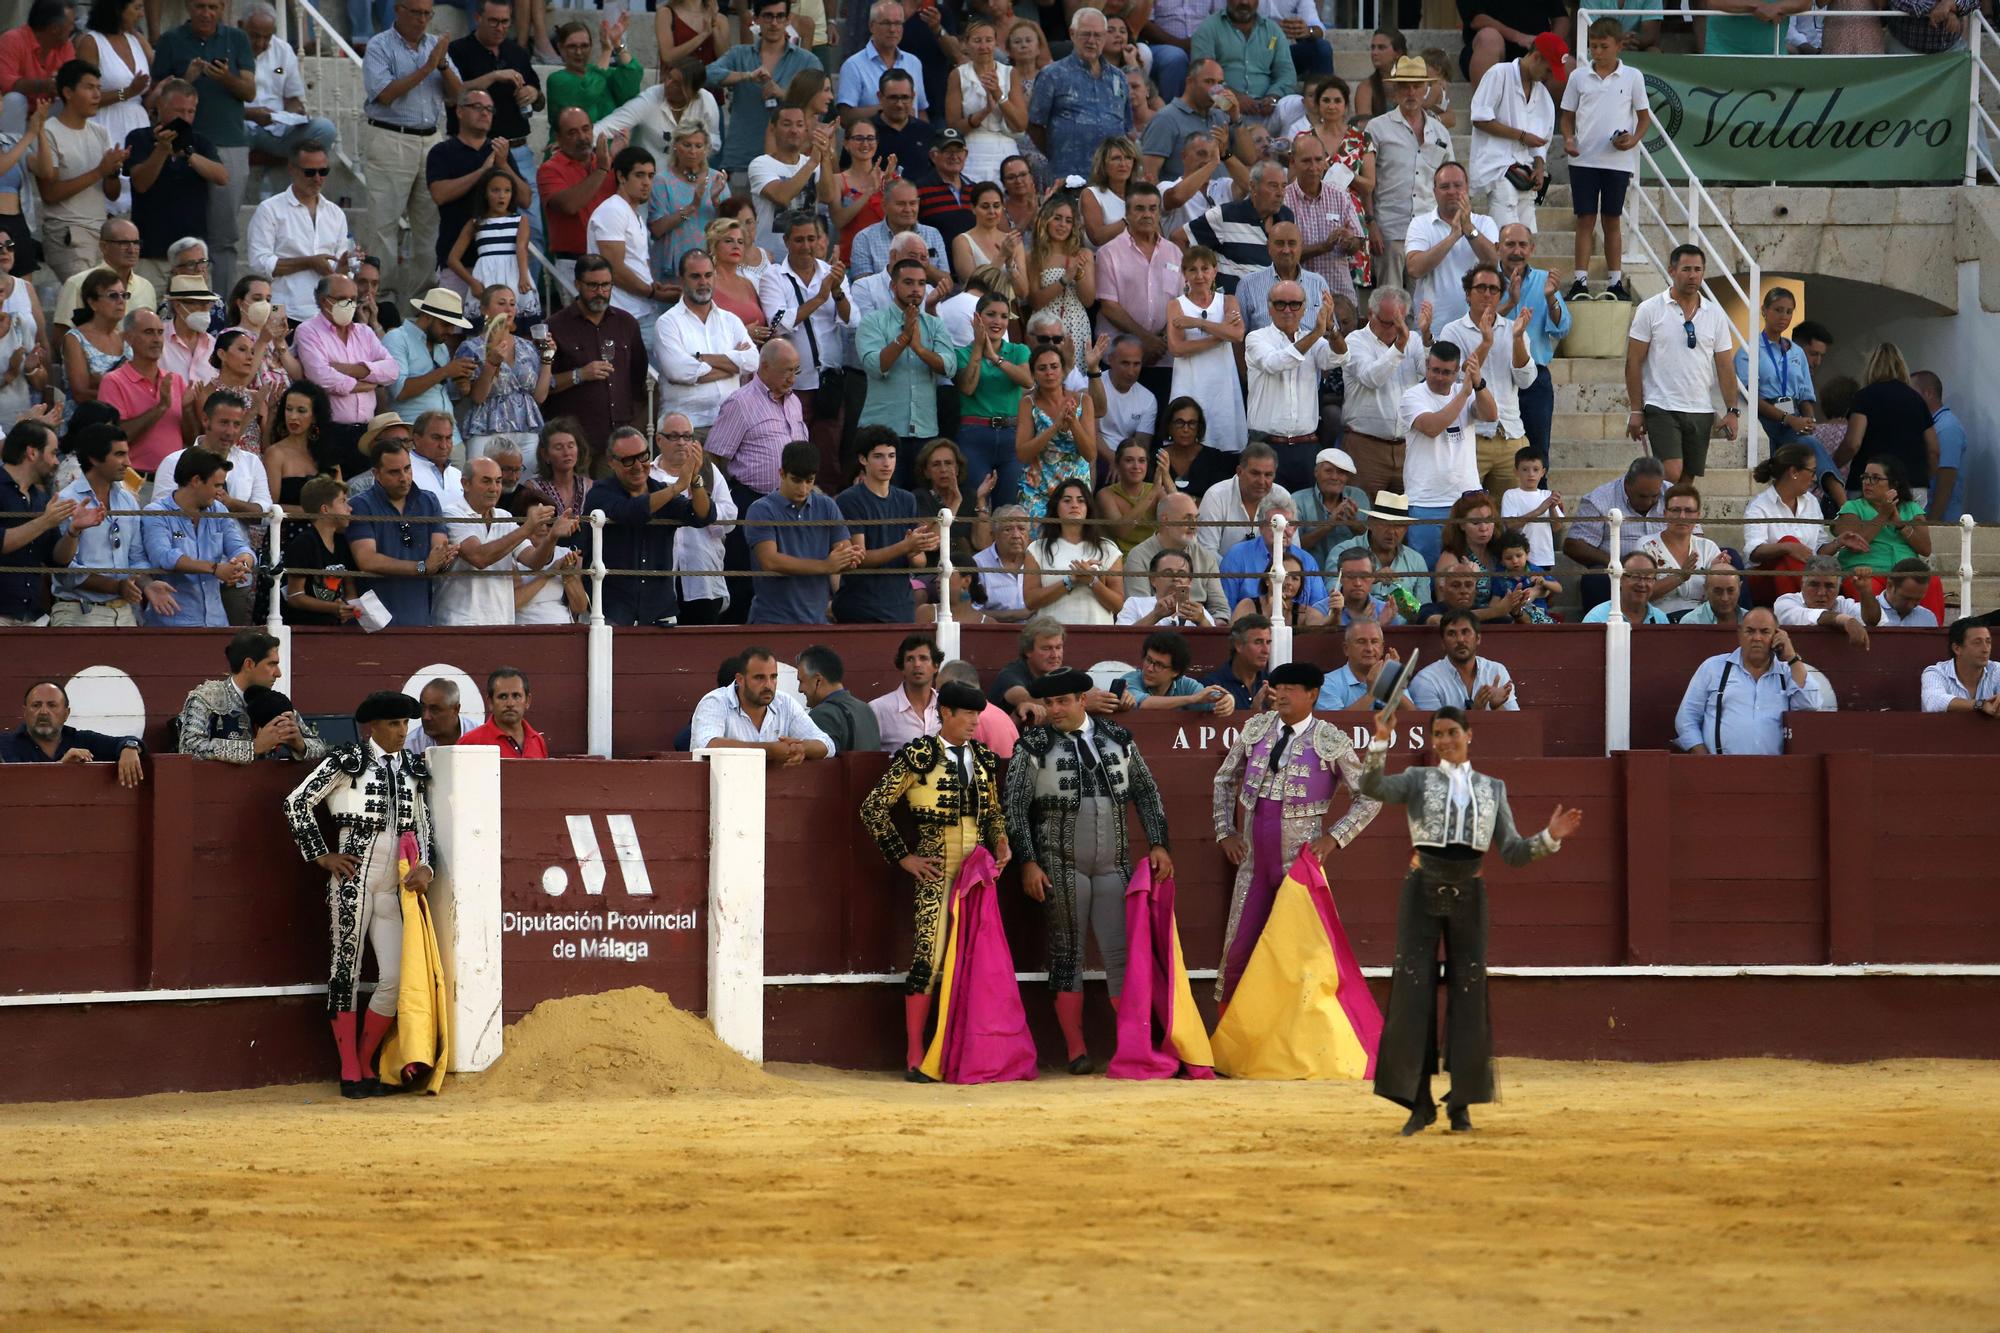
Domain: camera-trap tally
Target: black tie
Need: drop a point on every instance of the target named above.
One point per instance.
(1278, 750)
(1086, 753)
(799, 294)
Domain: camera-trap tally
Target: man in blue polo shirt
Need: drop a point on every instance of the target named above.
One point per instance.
(882, 599)
(386, 540)
(30, 522)
(808, 557)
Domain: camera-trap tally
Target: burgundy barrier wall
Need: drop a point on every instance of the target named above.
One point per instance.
(659, 675)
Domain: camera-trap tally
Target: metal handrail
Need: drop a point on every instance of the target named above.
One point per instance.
(1978, 148)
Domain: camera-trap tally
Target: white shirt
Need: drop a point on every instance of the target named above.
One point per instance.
(1676, 377)
(955, 313)
(1605, 105)
(1940, 684)
(282, 228)
(720, 714)
(614, 220)
(1221, 189)
(1284, 381)
(1138, 608)
(1504, 379)
(701, 548)
(781, 291)
(1003, 586)
(764, 170)
(1437, 469)
(1443, 286)
(1303, 10)
(245, 480)
(1806, 523)
(476, 598)
(1223, 503)
(653, 124)
(278, 76)
(445, 484)
(1500, 97)
(680, 338)
(1791, 609)
(1127, 412)
(1692, 592)
(1377, 374)
(1541, 533)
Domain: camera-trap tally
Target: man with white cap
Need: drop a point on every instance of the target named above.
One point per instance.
(426, 370)
(1285, 360)
(1330, 509)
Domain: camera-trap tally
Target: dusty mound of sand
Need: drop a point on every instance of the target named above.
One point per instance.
(623, 1043)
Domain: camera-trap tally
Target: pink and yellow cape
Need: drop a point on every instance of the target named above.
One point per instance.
(1160, 1032)
(982, 1033)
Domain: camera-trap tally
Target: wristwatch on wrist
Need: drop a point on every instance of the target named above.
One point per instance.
(1733, 412)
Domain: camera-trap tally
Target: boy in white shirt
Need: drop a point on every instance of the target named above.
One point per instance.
(1530, 502)
(1605, 115)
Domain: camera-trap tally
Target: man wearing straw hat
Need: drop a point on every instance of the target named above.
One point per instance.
(427, 374)
(1410, 144)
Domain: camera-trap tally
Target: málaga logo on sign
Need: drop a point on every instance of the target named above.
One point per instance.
(590, 858)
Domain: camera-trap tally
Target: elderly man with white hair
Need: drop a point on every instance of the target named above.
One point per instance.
(1285, 359)
(278, 118)
(487, 538)
(1245, 565)
(1385, 356)
(1080, 100)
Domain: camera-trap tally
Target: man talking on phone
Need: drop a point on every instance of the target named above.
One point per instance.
(218, 63)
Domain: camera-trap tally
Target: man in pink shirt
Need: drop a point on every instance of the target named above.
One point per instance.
(911, 709)
(151, 400)
(31, 54)
(1138, 277)
(347, 360)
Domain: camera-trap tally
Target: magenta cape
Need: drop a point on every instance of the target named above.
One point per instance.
(1160, 1032)
(982, 1034)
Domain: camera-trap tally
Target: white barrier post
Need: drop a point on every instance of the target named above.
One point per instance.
(946, 627)
(465, 897)
(274, 619)
(1617, 652)
(736, 899)
(1966, 524)
(1281, 627)
(597, 668)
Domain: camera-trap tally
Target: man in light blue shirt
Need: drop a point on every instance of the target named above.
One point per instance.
(1349, 686)
(1082, 99)
(1255, 55)
(426, 371)
(203, 552)
(1536, 293)
(1948, 483)
(900, 204)
(903, 350)
(1635, 594)
(1970, 681)
(861, 74)
(406, 75)
(1246, 566)
(1736, 703)
(1462, 678)
(750, 714)
(84, 597)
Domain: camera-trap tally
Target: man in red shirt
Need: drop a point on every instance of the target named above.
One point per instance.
(507, 728)
(574, 181)
(31, 54)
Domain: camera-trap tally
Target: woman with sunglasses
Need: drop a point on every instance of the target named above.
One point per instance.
(1187, 427)
(94, 347)
(1885, 524)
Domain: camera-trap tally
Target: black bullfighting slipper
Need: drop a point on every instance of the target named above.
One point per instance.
(916, 1075)
(1461, 1119)
(355, 1088)
(1082, 1065)
(1421, 1119)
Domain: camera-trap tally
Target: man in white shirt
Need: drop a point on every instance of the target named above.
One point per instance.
(785, 178)
(1513, 369)
(1679, 356)
(1970, 681)
(277, 114)
(1285, 360)
(750, 714)
(1513, 119)
(430, 460)
(1384, 357)
(1818, 601)
(618, 232)
(807, 297)
(1903, 600)
(1126, 409)
(297, 236)
(703, 352)
(1440, 461)
(487, 538)
(1443, 244)
(1235, 504)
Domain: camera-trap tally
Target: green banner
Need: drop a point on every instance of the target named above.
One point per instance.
(1811, 119)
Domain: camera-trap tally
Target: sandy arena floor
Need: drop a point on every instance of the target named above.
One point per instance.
(1750, 1194)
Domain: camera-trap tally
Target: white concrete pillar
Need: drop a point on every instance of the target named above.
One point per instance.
(465, 897)
(736, 898)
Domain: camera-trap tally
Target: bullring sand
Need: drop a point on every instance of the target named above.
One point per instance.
(619, 1167)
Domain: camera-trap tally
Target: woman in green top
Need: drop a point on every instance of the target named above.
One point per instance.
(1885, 525)
(991, 375)
(1132, 498)
(599, 86)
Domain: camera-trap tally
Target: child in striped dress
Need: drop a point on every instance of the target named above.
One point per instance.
(493, 247)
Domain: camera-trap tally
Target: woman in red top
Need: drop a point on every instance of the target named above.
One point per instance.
(860, 196)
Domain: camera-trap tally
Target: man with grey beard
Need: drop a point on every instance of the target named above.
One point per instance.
(599, 373)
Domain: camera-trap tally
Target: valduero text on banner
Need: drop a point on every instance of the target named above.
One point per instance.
(1808, 119)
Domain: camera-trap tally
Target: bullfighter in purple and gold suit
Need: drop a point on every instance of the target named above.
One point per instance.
(1273, 794)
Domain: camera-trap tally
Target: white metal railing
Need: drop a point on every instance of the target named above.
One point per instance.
(1281, 625)
(1982, 133)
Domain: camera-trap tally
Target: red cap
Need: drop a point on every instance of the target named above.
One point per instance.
(1556, 51)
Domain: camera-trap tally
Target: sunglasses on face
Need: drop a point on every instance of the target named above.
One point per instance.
(627, 460)
(1485, 286)
(677, 436)
(1288, 305)
(1050, 339)
(315, 171)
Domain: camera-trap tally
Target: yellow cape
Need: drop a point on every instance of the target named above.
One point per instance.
(1285, 1018)
(422, 1034)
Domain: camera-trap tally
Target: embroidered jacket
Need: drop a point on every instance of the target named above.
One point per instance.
(1308, 775)
(215, 726)
(1045, 787)
(921, 774)
(351, 783)
(1427, 793)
